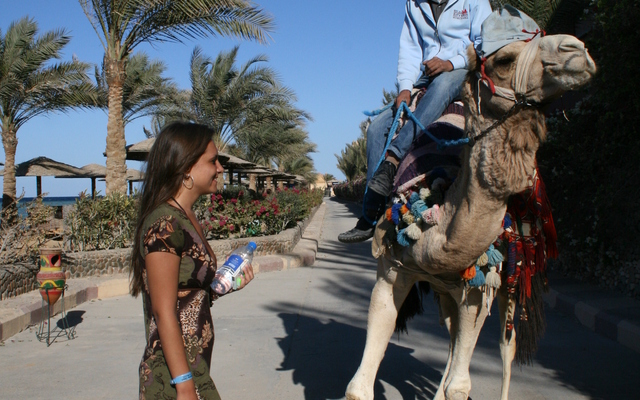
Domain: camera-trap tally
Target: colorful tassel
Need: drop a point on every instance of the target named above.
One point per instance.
(506, 222)
(388, 214)
(424, 193)
(493, 278)
(468, 273)
(413, 232)
(418, 208)
(395, 213)
(414, 197)
(494, 257)
(403, 240)
(431, 215)
(404, 209)
(408, 218)
(482, 260)
(477, 280)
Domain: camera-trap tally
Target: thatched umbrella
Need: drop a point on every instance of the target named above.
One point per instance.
(43, 166)
(95, 171)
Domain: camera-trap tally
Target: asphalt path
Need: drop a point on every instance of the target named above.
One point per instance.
(299, 334)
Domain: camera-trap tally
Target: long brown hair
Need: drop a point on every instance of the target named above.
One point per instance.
(177, 148)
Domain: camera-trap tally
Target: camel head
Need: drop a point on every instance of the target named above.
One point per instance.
(514, 73)
(554, 65)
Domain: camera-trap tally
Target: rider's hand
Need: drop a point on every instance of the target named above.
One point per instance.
(436, 66)
(405, 96)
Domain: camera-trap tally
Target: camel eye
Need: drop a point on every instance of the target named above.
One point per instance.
(504, 60)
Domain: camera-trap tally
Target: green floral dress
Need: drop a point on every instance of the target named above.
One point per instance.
(169, 230)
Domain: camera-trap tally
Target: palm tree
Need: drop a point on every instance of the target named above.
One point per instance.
(352, 161)
(302, 166)
(237, 102)
(31, 86)
(121, 25)
(328, 177)
(251, 113)
(144, 91)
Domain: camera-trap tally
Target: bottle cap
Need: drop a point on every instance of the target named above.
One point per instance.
(252, 245)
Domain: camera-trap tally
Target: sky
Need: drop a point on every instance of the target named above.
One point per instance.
(336, 55)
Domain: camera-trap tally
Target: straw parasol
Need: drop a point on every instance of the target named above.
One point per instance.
(95, 171)
(139, 151)
(43, 166)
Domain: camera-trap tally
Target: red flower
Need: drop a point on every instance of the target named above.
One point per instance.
(234, 201)
(222, 223)
(231, 227)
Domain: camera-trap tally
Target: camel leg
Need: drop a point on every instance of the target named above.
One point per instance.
(388, 295)
(471, 316)
(449, 310)
(507, 347)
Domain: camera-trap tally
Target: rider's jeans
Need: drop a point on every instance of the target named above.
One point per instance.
(441, 90)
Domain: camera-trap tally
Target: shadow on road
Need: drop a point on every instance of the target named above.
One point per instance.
(327, 355)
(73, 319)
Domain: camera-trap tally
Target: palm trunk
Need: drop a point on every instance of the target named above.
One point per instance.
(116, 178)
(10, 143)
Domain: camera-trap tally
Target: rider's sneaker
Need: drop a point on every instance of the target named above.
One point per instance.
(362, 231)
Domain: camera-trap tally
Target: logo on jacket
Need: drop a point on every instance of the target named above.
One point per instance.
(460, 14)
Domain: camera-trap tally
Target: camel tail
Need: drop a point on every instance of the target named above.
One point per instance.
(412, 306)
(531, 329)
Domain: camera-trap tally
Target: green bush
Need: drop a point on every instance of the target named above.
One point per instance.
(591, 163)
(21, 234)
(109, 222)
(104, 223)
(351, 190)
(238, 213)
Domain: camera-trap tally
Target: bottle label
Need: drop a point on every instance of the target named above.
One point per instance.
(234, 264)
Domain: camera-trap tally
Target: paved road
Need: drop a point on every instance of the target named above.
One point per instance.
(299, 334)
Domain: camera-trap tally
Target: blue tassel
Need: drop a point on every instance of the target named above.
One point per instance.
(507, 221)
(403, 240)
(414, 197)
(495, 257)
(395, 213)
(477, 280)
(418, 208)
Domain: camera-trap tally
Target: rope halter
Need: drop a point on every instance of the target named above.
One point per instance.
(520, 78)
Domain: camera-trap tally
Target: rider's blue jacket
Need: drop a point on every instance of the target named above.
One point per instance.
(421, 39)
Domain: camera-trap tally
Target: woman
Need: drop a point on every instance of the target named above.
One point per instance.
(173, 265)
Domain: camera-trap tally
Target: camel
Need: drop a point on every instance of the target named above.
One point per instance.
(503, 98)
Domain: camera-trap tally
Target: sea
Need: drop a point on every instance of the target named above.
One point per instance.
(53, 201)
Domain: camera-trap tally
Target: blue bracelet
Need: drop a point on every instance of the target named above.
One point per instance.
(181, 378)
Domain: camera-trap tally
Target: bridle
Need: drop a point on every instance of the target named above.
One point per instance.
(520, 81)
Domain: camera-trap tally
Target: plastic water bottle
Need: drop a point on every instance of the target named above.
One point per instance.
(225, 278)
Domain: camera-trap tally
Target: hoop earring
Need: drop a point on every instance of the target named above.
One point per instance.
(184, 180)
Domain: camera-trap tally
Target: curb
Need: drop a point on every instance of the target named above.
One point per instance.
(19, 313)
(598, 320)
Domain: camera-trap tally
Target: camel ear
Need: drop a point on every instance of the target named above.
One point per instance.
(473, 58)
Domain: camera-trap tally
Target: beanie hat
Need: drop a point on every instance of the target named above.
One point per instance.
(505, 26)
